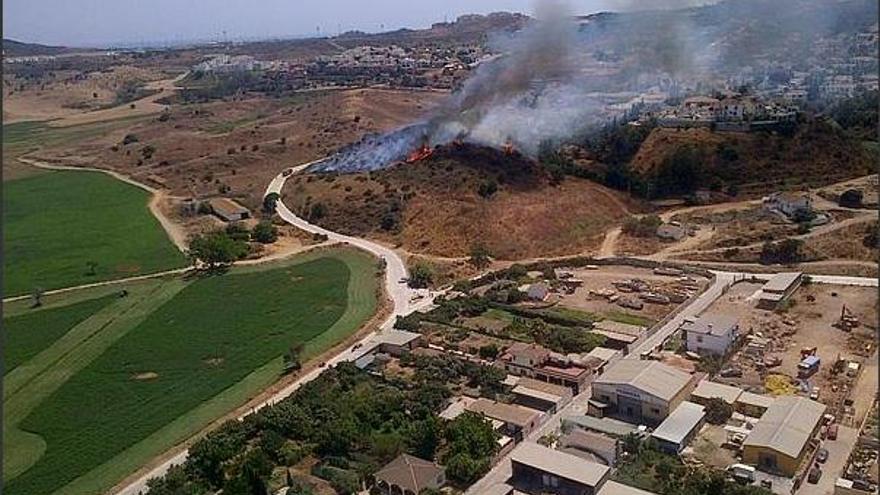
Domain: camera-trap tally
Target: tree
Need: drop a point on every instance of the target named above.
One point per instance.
(480, 257)
(489, 351)
(264, 233)
(645, 226)
(270, 201)
(851, 198)
(718, 411)
(217, 249)
(463, 468)
(420, 276)
(292, 358)
(423, 437)
(488, 188)
(317, 211)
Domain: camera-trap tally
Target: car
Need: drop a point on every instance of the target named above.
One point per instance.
(814, 394)
(822, 455)
(815, 475)
(731, 372)
(832, 432)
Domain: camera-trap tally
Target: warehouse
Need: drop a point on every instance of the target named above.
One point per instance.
(778, 443)
(779, 288)
(677, 430)
(539, 395)
(641, 391)
(539, 469)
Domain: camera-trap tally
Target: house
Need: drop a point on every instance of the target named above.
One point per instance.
(516, 421)
(680, 427)
(538, 292)
(409, 475)
(535, 361)
(707, 390)
(228, 210)
(540, 395)
(710, 335)
(778, 443)
(539, 469)
(790, 204)
(778, 289)
(641, 391)
(398, 342)
(615, 488)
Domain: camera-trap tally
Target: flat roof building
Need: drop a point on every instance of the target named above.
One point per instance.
(642, 391)
(540, 395)
(680, 427)
(779, 441)
(706, 390)
(710, 334)
(544, 470)
(779, 288)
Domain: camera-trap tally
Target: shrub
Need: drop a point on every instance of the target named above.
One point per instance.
(645, 226)
(264, 233)
(129, 138)
(718, 411)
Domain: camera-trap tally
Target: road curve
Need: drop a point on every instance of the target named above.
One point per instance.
(401, 295)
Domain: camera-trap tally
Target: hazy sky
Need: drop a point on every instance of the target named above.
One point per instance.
(100, 22)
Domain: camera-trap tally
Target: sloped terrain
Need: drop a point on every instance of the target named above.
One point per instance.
(460, 197)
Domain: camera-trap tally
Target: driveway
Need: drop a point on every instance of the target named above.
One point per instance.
(838, 452)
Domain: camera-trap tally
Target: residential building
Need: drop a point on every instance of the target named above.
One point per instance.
(680, 427)
(539, 469)
(516, 421)
(779, 288)
(778, 443)
(228, 210)
(398, 342)
(790, 204)
(540, 395)
(710, 335)
(409, 475)
(535, 361)
(641, 391)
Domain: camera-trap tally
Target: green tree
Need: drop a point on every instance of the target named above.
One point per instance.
(480, 257)
(217, 248)
(264, 233)
(421, 276)
(718, 411)
(270, 201)
(423, 437)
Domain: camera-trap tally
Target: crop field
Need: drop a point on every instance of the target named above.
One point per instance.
(28, 334)
(58, 223)
(179, 356)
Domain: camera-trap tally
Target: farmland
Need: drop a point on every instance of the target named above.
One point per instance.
(66, 228)
(174, 357)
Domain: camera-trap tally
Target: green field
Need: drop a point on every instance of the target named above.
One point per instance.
(57, 222)
(28, 334)
(178, 355)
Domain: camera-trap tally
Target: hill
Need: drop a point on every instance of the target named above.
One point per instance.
(675, 162)
(459, 197)
(12, 48)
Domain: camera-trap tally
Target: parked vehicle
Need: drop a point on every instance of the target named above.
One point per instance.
(815, 475)
(832, 432)
(822, 455)
(742, 472)
(731, 372)
(814, 394)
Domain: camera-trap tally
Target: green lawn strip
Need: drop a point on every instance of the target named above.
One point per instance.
(56, 223)
(212, 335)
(362, 288)
(631, 319)
(28, 334)
(26, 387)
(571, 314)
(21, 137)
(499, 314)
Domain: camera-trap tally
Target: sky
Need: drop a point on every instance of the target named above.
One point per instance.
(141, 22)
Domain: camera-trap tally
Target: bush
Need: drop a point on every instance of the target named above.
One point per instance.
(488, 189)
(421, 276)
(718, 411)
(784, 252)
(851, 198)
(489, 351)
(645, 226)
(129, 138)
(264, 233)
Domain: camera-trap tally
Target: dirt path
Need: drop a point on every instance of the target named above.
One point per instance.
(144, 106)
(609, 243)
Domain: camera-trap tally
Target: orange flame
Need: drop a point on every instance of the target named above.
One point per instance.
(420, 153)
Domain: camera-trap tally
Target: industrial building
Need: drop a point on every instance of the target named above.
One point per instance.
(779, 441)
(707, 390)
(778, 289)
(680, 427)
(640, 391)
(539, 469)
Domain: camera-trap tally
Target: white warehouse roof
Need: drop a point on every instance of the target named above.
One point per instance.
(680, 423)
(568, 466)
(653, 377)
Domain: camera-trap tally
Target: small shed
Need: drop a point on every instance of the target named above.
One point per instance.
(228, 210)
(679, 428)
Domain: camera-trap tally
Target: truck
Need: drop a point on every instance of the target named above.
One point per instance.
(809, 366)
(742, 472)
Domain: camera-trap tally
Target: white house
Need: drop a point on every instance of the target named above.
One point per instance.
(789, 203)
(710, 334)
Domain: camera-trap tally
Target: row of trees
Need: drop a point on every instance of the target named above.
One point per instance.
(224, 246)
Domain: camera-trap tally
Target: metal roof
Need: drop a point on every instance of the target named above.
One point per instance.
(706, 390)
(397, 337)
(710, 325)
(609, 426)
(781, 281)
(508, 413)
(752, 399)
(787, 425)
(651, 377)
(561, 464)
(603, 353)
(680, 423)
(614, 488)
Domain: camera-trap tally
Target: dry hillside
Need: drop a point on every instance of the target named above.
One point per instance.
(816, 154)
(445, 204)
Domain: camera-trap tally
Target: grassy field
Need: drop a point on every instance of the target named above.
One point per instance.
(172, 368)
(28, 334)
(57, 222)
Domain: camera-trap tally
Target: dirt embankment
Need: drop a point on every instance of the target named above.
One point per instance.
(754, 163)
(461, 197)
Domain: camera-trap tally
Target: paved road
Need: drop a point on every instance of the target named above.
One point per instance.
(838, 453)
(401, 295)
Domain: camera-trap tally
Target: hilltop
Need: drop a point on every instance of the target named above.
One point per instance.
(13, 48)
(461, 196)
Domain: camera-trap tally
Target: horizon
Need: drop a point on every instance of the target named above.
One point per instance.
(128, 23)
